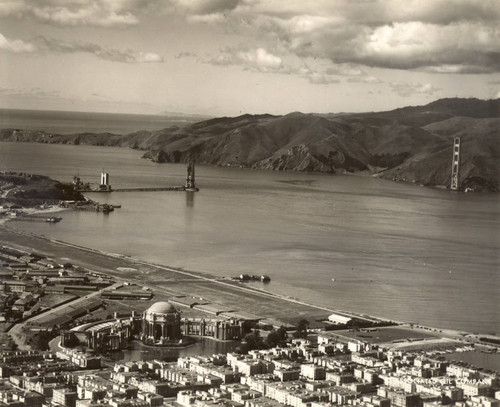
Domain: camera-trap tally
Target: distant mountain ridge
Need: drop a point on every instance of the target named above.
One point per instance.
(410, 144)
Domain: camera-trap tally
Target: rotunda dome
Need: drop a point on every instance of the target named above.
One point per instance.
(161, 307)
(161, 323)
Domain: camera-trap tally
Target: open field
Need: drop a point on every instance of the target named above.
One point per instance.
(387, 334)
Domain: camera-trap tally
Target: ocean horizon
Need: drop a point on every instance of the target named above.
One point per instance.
(71, 122)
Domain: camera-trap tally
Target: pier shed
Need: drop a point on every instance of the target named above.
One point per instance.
(339, 319)
(215, 309)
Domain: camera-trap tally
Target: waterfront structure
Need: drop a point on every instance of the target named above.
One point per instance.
(339, 319)
(455, 165)
(190, 181)
(161, 324)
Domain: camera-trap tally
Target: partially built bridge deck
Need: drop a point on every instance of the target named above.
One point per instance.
(105, 186)
(149, 189)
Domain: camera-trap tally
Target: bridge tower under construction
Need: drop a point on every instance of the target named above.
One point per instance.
(190, 182)
(104, 185)
(455, 165)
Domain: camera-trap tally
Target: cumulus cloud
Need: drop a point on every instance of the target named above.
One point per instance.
(103, 13)
(49, 44)
(440, 36)
(260, 60)
(406, 89)
(9, 7)
(214, 18)
(207, 6)
(205, 11)
(42, 44)
(16, 46)
(375, 12)
(185, 55)
(345, 70)
(148, 57)
(315, 77)
(252, 59)
(364, 79)
(463, 47)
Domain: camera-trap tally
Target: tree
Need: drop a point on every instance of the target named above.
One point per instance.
(301, 331)
(276, 337)
(252, 341)
(42, 340)
(246, 326)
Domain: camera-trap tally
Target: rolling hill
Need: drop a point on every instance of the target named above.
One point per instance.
(410, 144)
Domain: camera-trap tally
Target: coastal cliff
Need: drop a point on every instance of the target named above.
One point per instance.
(411, 144)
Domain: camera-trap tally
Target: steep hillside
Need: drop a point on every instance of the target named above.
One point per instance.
(30, 190)
(412, 144)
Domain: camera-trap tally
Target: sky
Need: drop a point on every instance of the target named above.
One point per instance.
(230, 57)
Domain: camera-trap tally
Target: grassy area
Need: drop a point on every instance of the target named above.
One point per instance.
(386, 334)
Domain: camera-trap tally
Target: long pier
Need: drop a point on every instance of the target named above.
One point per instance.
(153, 189)
(148, 189)
(181, 188)
(105, 186)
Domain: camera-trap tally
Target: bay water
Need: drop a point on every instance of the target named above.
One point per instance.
(394, 250)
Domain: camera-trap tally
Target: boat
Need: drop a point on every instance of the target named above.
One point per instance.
(53, 219)
(333, 280)
(107, 208)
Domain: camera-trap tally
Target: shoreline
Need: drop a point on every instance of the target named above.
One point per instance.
(28, 212)
(128, 272)
(189, 273)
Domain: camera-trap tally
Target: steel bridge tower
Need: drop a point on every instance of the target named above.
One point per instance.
(455, 165)
(190, 183)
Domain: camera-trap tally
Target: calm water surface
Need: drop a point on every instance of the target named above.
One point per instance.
(203, 346)
(397, 251)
